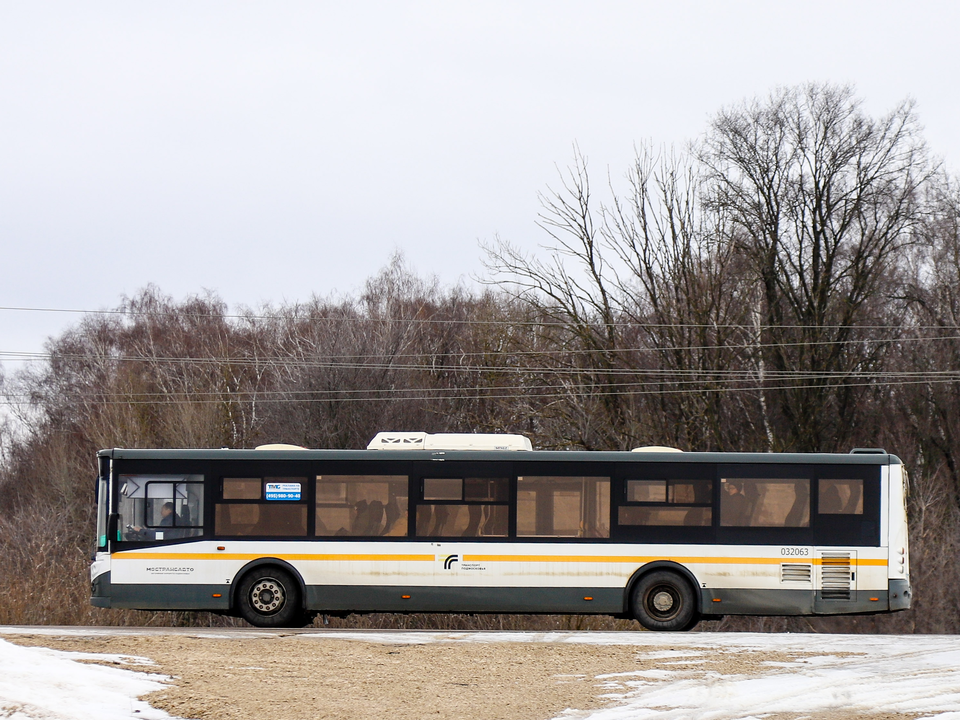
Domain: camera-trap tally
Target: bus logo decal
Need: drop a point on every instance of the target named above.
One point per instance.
(451, 559)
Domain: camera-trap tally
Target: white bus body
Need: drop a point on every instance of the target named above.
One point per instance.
(659, 536)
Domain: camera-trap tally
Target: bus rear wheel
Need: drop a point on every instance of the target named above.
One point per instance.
(662, 600)
(270, 597)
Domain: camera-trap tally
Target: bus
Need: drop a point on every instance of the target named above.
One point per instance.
(461, 523)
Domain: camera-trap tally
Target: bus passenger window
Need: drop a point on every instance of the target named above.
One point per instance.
(475, 520)
(278, 512)
(647, 491)
(563, 507)
(485, 489)
(677, 502)
(443, 489)
(463, 507)
(361, 505)
(765, 502)
(242, 488)
(236, 519)
(665, 516)
(262, 519)
(840, 497)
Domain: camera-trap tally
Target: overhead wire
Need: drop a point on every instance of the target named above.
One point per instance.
(660, 386)
(439, 396)
(667, 381)
(429, 321)
(334, 360)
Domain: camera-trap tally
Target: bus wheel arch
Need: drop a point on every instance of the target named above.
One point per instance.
(269, 592)
(663, 595)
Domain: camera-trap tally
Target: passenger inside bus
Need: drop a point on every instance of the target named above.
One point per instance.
(168, 518)
(734, 507)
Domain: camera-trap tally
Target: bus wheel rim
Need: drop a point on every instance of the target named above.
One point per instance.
(663, 602)
(267, 596)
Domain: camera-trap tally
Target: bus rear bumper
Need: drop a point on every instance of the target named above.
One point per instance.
(900, 594)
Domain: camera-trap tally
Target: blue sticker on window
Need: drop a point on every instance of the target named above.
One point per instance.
(283, 491)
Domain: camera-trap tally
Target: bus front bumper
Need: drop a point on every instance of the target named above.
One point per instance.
(100, 591)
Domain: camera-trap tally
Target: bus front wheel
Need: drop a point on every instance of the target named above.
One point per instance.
(662, 600)
(270, 597)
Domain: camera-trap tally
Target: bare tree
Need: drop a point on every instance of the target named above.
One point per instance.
(821, 200)
(640, 301)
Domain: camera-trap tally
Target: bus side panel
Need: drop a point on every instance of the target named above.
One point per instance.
(185, 576)
(379, 598)
(740, 601)
(159, 596)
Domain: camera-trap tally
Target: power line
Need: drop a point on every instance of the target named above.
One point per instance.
(653, 377)
(447, 321)
(496, 393)
(331, 361)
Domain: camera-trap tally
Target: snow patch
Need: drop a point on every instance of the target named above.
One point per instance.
(43, 684)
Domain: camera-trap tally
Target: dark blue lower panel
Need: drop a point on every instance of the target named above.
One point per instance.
(735, 601)
(159, 597)
(602, 601)
(582, 601)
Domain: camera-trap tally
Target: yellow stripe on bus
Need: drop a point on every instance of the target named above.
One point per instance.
(257, 556)
(634, 560)
(653, 558)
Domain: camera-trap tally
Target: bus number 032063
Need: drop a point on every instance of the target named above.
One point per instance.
(795, 551)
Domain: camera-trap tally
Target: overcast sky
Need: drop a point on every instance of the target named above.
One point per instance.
(275, 150)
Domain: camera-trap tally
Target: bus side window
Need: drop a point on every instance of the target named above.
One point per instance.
(563, 507)
(840, 497)
(677, 502)
(361, 505)
(765, 502)
(463, 507)
(264, 507)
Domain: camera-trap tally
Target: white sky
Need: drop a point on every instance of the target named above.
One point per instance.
(270, 151)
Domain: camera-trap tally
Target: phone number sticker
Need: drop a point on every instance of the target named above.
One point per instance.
(283, 491)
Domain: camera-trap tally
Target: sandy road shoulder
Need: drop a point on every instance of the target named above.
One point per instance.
(291, 676)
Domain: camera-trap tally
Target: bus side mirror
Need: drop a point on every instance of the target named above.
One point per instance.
(113, 521)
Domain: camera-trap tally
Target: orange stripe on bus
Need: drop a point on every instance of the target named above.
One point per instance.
(653, 558)
(280, 556)
(633, 560)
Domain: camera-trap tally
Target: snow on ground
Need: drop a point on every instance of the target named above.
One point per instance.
(713, 676)
(42, 684)
(817, 673)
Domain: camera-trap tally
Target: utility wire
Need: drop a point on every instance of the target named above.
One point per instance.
(330, 361)
(443, 394)
(702, 379)
(438, 321)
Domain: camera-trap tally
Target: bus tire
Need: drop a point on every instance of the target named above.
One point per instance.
(662, 600)
(269, 597)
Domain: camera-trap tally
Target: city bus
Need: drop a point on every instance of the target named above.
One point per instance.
(461, 523)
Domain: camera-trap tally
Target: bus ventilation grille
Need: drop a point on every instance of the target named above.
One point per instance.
(795, 572)
(836, 576)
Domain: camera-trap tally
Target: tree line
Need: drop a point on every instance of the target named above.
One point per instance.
(789, 282)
